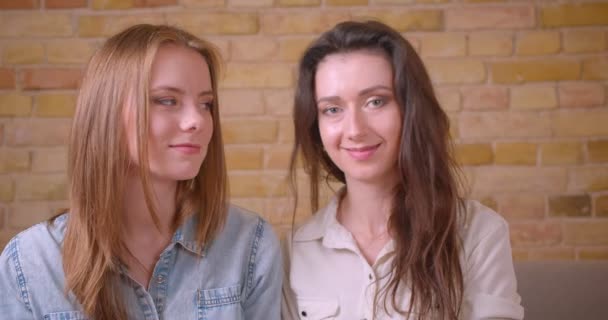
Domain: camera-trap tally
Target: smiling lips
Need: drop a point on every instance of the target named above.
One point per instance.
(186, 148)
(362, 153)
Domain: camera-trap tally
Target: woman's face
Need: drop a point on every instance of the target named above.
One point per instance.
(359, 119)
(181, 125)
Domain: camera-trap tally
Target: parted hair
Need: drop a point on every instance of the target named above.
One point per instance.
(118, 76)
(424, 216)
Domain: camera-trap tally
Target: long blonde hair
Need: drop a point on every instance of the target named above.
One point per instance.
(118, 74)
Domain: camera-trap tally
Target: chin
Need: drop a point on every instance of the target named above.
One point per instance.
(188, 176)
(179, 175)
(369, 177)
(185, 172)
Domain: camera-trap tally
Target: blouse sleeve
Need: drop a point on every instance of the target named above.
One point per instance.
(490, 287)
(289, 306)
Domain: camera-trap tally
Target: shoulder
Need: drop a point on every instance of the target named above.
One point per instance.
(481, 216)
(33, 257)
(244, 226)
(480, 222)
(241, 220)
(306, 240)
(490, 286)
(241, 217)
(315, 226)
(481, 219)
(250, 234)
(38, 241)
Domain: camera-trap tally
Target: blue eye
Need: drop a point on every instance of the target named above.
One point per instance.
(376, 102)
(207, 105)
(330, 110)
(168, 102)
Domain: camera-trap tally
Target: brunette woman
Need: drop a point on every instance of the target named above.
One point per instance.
(398, 240)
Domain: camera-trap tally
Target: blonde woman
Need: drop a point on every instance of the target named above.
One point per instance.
(149, 233)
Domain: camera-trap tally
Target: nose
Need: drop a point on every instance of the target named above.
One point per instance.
(192, 117)
(356, 124)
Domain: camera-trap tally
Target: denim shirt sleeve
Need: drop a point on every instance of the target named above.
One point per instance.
(14, 302)
(264, 276)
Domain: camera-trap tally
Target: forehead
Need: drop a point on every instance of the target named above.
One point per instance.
(179, 63)
(356, 70)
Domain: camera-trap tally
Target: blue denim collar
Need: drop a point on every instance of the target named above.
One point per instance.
(185, 235)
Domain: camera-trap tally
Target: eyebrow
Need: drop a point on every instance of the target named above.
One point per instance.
(178, 90)
(361, 93)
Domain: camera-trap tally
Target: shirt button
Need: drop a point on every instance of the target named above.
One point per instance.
(370, 278)
(304, 314)
(160, 279)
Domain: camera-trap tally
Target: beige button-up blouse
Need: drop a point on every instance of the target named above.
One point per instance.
(327, 277)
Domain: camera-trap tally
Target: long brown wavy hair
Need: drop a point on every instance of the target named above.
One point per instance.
(117, 75)
(426, 203)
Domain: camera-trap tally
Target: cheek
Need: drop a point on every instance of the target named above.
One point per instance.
(208, 129)
(159, 128)
(392, 121)
(330, 134)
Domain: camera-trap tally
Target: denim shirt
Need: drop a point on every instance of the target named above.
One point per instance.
(237, 276)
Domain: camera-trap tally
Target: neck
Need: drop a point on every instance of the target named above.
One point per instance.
(144, 240)
(137, 216)
(365, 208)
